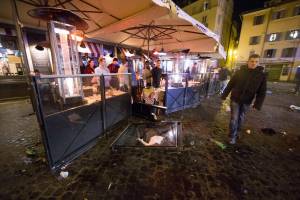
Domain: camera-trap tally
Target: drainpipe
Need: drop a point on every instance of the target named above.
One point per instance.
(266, 31)
(229, 44)
(20, 37)
(294, 58)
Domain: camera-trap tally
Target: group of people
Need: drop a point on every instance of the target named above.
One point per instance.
(114, 68)
(151, 77)
(247, 86)
(190, 74)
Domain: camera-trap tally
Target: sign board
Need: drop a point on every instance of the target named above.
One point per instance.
(14, 59)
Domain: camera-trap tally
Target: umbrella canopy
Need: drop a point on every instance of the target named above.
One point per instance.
(133, 23)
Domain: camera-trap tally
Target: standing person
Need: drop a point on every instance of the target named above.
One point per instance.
(89, 70)
(223, 78)
(246, 84)
(82, 67)
(90, 67)
(297, 79)
(156, 75)
(147, 75)
(188, 74)
(113, 68)
(5, 69)
(194, 71)
(123, 79)
(101, 69)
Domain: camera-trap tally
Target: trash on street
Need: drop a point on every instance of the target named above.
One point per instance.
(268, 131)
(220, 144)
(64, 174)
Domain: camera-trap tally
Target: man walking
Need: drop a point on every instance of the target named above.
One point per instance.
(246, 84)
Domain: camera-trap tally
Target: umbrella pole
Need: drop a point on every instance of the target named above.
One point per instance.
(20, 39)
(24, 56)
(148, 40)
(148, 50)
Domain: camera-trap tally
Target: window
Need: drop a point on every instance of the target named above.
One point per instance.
(254, 40)
(288, 52)
(278, 14)
(205, 5)
(285, 70)
(270, 53)
(292, 35)
(258, 20)
(251, 52)
(296, 11)
(272, 37)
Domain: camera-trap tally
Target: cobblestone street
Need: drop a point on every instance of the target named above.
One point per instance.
(260, 166)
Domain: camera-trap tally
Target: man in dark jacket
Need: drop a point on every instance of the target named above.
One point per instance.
(113, 68)
(246, 84)
(156, 74)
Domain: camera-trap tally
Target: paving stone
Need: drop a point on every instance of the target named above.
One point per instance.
(258, 164)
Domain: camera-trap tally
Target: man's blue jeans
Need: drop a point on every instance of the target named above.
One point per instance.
(238, 112)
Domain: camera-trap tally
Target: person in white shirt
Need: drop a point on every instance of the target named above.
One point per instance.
(102, 69)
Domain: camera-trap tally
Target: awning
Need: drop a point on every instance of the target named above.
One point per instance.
(166, 26)
(91, 49)
(116, 20)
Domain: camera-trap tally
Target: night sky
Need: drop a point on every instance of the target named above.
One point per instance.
(245, 5)
(239, 6)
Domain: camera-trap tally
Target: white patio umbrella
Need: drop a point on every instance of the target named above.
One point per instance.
(134, 23)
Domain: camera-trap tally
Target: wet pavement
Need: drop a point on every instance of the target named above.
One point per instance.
(260, 166)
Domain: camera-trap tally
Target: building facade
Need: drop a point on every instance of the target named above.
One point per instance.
(274, 34)
(217, 16)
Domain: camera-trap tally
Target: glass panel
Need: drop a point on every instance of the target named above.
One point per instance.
(60, 94)
(73, 121)
(118, 98)
(184, 90)
(162, 134)
(177, 80)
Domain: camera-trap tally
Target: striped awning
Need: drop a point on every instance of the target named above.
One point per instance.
(91, 49)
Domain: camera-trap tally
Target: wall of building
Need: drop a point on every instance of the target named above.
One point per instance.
(210, 18)
(248, 31)
(232, 48)
(269, 26)
(218, 18)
